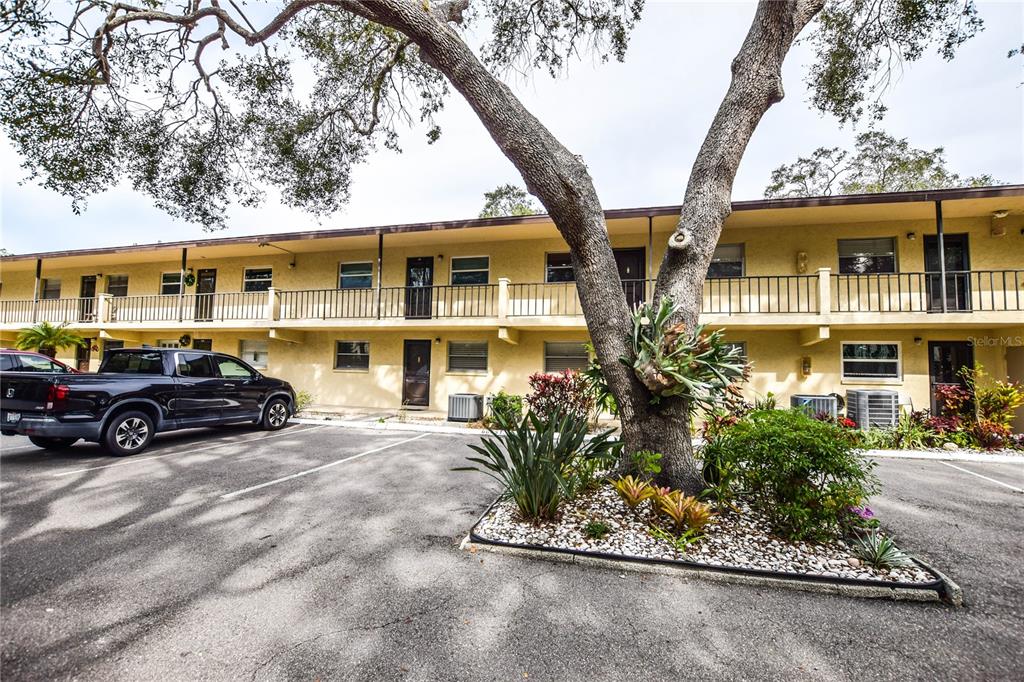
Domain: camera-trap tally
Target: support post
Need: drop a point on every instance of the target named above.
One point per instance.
(273, 305)
(503, 300)
(103, 308)
(36, 291)
(380, 265)
(941, 242)
(650, 260)
(181, 284)
(824, 291)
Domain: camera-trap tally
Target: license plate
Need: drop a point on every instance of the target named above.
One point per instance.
(12, 417)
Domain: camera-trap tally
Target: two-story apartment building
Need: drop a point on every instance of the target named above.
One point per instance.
(824, 294)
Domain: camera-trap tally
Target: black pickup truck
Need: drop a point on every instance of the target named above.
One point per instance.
(137, 393)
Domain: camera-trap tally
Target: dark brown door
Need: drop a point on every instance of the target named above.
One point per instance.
(87, 292)
(416, 384)
(958, 278)
(632, 273)
(206, 286)
(419, 282)
(945, 360)
(82, 355)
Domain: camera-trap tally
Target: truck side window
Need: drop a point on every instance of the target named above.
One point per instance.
(195, 365)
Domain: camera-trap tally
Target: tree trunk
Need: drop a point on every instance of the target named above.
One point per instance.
(48, 351)
(666, 431)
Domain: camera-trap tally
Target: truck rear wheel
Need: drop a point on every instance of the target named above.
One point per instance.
(128, 433)
(49, 443)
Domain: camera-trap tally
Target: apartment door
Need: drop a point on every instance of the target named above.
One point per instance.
(87, 304)
(958, 265)
(945, 360)
(419, 280)
(206, 286)
(632, 273)
(82, 356)
(416, 382)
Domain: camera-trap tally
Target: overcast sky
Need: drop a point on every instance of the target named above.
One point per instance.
(638, 125)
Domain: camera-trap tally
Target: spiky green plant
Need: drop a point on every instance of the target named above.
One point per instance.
(633, 491)
(880, 551)
(47, 338)
(530, 457)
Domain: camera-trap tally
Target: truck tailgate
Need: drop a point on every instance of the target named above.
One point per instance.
(25, 391)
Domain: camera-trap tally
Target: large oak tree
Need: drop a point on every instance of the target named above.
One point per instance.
(199, 103)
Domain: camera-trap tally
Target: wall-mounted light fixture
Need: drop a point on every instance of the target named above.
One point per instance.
(911, 236)
(437, 340)
(918, 340)
(805, 365)
(801, 262)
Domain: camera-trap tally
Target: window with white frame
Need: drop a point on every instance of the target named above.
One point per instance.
(254, 352)
(561, 355)
(167, 343)
(257, 279)
(558, 268)
(727, 261)
(50, 288)
(867, 256)
(467, 356)
(871, 360)
(170, 283)
(117, 285)
(352, 355)
(471, 270)
(742, 345)
(355, 275)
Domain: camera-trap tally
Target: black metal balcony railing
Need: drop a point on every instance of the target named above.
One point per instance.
(910, 292)
(915, 292)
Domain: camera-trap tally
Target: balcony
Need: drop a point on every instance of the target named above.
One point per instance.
(817, 299)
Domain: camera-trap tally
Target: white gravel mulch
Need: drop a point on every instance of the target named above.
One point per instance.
(740, 540)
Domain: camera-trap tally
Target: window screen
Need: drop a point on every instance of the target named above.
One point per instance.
(51, 288)
(559, 268)
(170, 283)
(863, 256)
(871, 360)
(257, 279)
(562, 355)
(352, 355)
(254, 352)
(474, 270)
(117, 285)
(467, 356)
(727, 261)
(355, 276)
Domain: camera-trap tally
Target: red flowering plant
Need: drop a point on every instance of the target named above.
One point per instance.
(566, 392)
(954, 399)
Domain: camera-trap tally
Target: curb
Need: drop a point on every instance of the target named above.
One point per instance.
(390, 426)
(943, 456)
(796, 583)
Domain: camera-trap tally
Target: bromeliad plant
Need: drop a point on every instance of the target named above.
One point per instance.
(530, 458)
(698, 366)
(633, 491)
(686, 513)
(879, 551)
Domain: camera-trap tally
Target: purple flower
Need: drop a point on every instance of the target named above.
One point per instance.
(863, 512)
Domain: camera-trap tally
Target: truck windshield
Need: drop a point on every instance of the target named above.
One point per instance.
(134, 362)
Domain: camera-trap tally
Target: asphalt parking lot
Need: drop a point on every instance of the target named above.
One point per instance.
(326, 553)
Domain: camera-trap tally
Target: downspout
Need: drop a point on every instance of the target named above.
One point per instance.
(35, 290)
(650, 259)
(940, 239)
(181, 285)
(380, 264)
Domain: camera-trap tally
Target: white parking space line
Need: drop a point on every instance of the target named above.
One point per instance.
(991, 480)
(140, 460)
(228, 496)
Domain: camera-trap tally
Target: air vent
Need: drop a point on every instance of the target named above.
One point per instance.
(465, 407)
(873, 408)
(816, 404)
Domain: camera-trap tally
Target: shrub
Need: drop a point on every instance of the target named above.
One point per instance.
(646, 464)
(565, 392)
(803, 475)
(995, 401)
(303, 399)
(633, 491)
(506, 407)
(604, 400)
(880, 551)
(991, 435)
(953, 398)
(529, 456)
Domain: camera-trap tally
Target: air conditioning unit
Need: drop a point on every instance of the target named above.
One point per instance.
(465, 407)
(873, 408)
(816, 404)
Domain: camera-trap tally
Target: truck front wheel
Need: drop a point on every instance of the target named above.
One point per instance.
(49, 443)
(128, 433)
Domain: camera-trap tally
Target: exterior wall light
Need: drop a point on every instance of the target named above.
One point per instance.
(805, 365)
(801, 262)
(911, 236)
